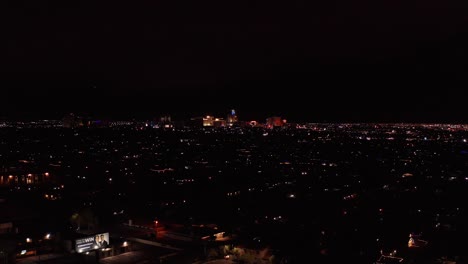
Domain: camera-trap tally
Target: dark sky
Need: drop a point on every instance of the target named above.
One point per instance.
(326, 60)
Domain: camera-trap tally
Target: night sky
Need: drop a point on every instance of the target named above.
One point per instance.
(329, 60)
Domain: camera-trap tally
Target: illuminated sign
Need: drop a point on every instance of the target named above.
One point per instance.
(99, 241)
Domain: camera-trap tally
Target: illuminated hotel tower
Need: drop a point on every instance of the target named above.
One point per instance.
(232, 118)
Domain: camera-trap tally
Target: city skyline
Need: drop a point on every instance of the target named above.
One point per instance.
(353, 105)
(402, 111)
(315, 61)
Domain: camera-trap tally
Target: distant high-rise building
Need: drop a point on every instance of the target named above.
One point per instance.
(275, 121)
(208, 121)
(232, 118)
(219, 122)
(165, 122)
(165, 119)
